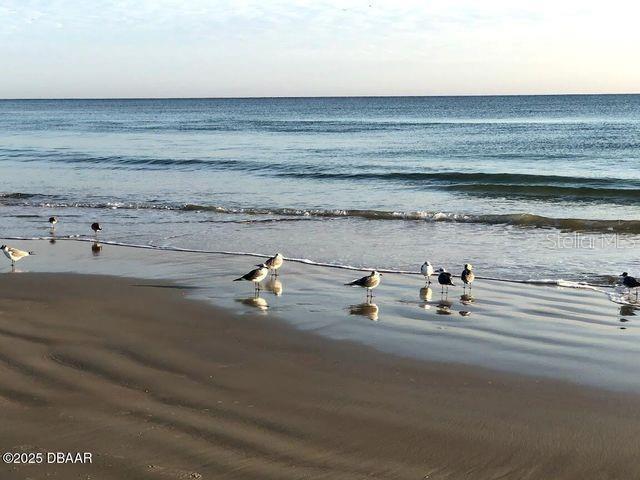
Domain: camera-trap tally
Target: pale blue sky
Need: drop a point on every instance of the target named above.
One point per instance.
(218, 48)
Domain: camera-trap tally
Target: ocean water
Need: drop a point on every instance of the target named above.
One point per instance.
(523, 187)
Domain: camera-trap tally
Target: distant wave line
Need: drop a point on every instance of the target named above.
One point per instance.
(527, 220)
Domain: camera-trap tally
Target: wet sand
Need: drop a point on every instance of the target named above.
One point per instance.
(157, 386)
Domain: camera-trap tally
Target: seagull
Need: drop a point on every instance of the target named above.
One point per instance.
(427, 270)
(14, 254)
(627, 281)
(255, 275)
(444, 279)
(96, 228)
(369, 282)
(467, 275)
(52, 222)
(274, 263)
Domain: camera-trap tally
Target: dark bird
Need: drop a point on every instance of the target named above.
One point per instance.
(630, 282)
(96, 228)
(444, 279)
(256, 276)
(369, 282)
(467, 275)
(52, 222)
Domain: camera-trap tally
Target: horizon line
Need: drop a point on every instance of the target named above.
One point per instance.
(270, 97)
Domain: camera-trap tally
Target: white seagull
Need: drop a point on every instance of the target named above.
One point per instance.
(427, 270)
(274, 263)
(256, 276)
(369, 282)
(14, 254)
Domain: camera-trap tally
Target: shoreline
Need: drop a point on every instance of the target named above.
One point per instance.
(569, 334)
(159, 386)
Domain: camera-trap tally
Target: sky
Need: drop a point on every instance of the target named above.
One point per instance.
(247, 48)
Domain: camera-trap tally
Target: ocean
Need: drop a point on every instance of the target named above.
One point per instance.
(524, 187)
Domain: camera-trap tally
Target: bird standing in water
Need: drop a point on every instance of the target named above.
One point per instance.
(630, 283)
(96, 228)
(274, 263)
(14, 254)
(427, 270)
(256, 276)
(444, 279)
(369, 282)
(467, 276)
(52, 222)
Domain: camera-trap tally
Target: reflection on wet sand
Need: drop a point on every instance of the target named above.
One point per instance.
(467, 299)
(274, 285)
(369, 310)
(255, 302)
(444, 307)
(96, 248)
(426, 293)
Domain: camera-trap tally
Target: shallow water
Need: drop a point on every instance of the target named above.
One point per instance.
(544, 331)
(522, 187)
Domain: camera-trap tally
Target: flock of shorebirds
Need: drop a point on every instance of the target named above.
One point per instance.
(368, 282)
(16, 255)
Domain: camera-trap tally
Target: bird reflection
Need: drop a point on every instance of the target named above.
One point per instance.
(426, 293)
(368, 309)
(96, 249)
(274, 285)
(255, 302)
(467, 299)
(464, 313)
(52, 241)
(444, 307)
(627, 310)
